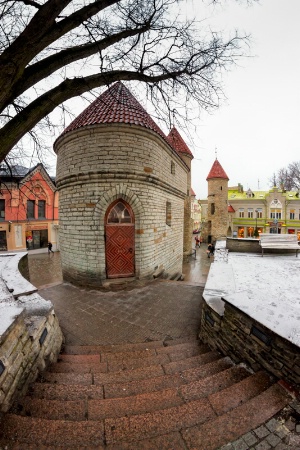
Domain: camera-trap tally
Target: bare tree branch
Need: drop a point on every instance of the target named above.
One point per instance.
(54, 50)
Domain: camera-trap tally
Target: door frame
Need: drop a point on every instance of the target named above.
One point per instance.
(121, 225)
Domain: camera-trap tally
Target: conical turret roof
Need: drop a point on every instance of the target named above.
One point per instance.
(115, 105)
(217, 171)
(178, 143)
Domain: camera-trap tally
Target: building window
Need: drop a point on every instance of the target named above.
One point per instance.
(259, 213)
(30, 209)
(292, 214)
(275, 214)
(241, 212)
(250, 213)
(168, 213)
(41, 209)
(241, 232)
(212, 209)
(173, 167)
(2, 209)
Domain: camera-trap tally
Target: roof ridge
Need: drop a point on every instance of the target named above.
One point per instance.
(115, 105)
(217, 171)
(178, 143)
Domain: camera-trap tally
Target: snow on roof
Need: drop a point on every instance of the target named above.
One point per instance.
(266, 289)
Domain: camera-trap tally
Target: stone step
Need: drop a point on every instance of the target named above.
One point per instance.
(195, 411)
(83, 392)
(119, 348)
(55, 433)
(154, 384)
(230, 426)
(192, 426)
(98, 409)
(62, 373)
(171, 363)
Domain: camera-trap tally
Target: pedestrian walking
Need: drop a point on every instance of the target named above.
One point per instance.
(210, 250)
(50, 248)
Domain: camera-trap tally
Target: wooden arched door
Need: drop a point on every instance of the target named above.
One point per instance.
(119, 240)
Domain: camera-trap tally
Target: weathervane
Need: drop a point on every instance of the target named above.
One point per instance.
(216, 152)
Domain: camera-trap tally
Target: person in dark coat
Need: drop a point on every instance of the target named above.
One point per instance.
(50, 248)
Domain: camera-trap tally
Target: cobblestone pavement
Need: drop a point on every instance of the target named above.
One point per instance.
(148, 310)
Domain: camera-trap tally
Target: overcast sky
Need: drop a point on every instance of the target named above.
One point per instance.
(257, 131)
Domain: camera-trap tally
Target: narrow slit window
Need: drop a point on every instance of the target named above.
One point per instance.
(168, 214)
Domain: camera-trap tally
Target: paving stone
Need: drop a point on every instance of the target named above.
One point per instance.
(273, 439)
(250, 438)
(240, 444)
(261, 432)
(272, 425)
(282, 431)
(264, 445)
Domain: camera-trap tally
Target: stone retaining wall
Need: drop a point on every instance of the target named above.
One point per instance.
(237, 335)
(243, 245)
(30, 337)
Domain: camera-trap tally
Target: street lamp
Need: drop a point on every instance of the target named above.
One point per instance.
(256, 234)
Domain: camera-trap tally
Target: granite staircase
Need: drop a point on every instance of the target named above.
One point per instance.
(176, 394)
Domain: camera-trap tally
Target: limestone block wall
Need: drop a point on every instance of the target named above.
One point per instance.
(30, 336)
(100, 164)
(238, 334)
(242, 338)
(27, 346)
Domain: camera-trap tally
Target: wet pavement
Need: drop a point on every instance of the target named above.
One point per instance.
(45, 269)
(145, 310)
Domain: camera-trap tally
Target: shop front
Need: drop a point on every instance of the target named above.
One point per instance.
(36, 237)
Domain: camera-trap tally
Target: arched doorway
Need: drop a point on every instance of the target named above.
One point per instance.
(119, 240)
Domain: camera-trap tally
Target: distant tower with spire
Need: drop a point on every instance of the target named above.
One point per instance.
(217, 202)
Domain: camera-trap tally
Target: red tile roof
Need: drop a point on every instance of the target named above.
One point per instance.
(217, 171)
(178, 143)
(231, 209)
(115, 105)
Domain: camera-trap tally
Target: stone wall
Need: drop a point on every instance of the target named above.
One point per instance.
(100, 164)
(243, 245)
(237, 335)
(27, 346)
(30, 336)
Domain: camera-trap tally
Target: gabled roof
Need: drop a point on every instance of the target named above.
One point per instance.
(39, 168)
(193, 192)
(231, 209)
(115, 105)
(217, 171)
(178, 143)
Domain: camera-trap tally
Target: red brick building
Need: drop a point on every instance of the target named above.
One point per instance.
(28, 208)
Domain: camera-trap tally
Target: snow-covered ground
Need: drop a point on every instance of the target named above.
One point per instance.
(266, 288)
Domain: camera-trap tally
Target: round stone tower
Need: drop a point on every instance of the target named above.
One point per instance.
(180, 146)
(217, 202)
(122, 192)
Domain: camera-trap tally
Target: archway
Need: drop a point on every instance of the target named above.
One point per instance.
(119, 240)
